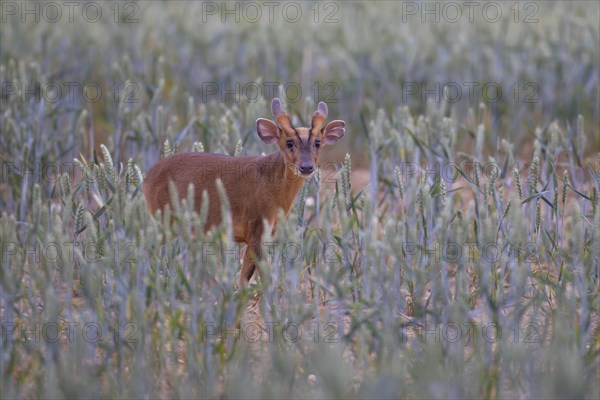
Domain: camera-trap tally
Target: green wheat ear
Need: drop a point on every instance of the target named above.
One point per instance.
(477, 174)
(79, 218)
(346, 178)
(518, 182)
(198, 147)
(538, 216)
(489, 193)
(535, 175)
(444, 192)
(399, 181)
(134, 174)
(101, 178)
(238, 148)
(86, 174)
(65, 185)
(565, 179)
(109, 167)
(167, 151)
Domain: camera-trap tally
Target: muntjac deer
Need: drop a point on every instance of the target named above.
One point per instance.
(257, 187)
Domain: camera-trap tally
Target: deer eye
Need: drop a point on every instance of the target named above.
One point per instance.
(289, 144)
(317, 143)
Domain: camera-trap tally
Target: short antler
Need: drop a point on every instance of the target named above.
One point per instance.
(276, 107)
(319, 117)
(283, 119)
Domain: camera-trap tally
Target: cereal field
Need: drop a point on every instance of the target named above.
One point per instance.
(447, 247)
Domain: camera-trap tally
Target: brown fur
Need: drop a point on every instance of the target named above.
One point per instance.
(256, 187)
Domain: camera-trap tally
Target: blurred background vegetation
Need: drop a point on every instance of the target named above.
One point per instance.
(357, 56)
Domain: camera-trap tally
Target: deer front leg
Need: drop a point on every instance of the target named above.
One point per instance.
(249, 265)
(253, 254)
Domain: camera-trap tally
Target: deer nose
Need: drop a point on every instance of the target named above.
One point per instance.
(307, 168)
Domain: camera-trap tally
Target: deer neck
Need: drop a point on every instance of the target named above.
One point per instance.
(286, 184)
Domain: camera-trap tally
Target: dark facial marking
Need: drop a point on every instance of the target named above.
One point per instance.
(298, 136)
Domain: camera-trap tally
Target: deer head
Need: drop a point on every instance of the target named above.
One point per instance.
(300, 146)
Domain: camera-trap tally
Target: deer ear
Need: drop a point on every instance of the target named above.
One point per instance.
(334, 131)
(267, 130)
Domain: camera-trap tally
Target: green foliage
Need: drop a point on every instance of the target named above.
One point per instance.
(416, 285)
